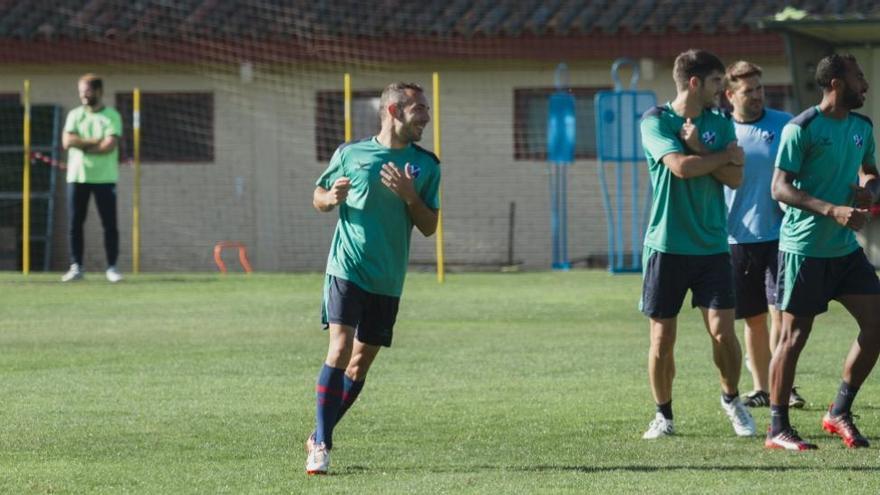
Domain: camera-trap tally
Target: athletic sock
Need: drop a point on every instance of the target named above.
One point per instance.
(779, 419)
(665, 410)
(728, 398)
(350, 391)
(844, 399)
(328, 392)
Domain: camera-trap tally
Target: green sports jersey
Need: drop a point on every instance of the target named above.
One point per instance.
(371, 244)
(93, 168)
(825, 155)
(688, 216)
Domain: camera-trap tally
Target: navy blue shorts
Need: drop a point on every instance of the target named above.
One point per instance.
(755, 267)
(668, 277)
(371, 315)
(807, 284)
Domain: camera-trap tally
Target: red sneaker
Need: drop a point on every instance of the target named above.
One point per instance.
(788, 440)
(842, 425)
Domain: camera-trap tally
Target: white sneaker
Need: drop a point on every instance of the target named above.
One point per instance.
(659, 427)
(75, 273)
(318, 461)
(740, 417)
(113, 275)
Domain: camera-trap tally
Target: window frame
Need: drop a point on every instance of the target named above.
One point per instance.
(330, 120)
(126, 142)
(520, 116)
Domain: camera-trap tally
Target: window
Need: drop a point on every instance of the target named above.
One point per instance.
(530, 122)
(330, 119)
(10, 99)
(175, 127)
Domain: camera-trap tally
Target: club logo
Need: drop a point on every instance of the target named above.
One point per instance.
(709, 137)
(859, 140)
(413, 169)
(768, 136)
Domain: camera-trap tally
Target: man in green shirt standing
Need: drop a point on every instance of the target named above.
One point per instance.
(826, 173)
(91, 137)
(383, 187)
(692, 153)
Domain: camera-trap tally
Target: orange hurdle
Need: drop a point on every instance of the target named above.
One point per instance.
(242, 255)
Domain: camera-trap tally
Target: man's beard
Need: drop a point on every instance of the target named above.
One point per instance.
(851, 99)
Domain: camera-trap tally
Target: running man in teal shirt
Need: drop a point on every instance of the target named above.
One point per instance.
(827, 175)
(692, 153)
(383, 187)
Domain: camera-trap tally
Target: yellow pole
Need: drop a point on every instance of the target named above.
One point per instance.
(136, 190)
(347, 97)
(441, 270)
(26, 184)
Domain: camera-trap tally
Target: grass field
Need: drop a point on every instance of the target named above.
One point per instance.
(497, 383)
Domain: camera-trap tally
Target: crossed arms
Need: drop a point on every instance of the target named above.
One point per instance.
(726, 165)
(89, 145)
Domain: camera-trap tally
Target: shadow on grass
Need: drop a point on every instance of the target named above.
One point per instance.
(546, 468)
(98, 279)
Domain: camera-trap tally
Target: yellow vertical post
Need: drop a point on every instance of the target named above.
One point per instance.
(441, 269)
(136, 189)
(26, 184)
(346, 85)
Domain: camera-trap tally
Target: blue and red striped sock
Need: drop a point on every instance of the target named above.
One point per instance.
(328, 392)
(350, 391)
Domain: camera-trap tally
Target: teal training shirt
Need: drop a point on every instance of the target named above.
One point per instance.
(371, 244)
(688, 216)
(825, 155)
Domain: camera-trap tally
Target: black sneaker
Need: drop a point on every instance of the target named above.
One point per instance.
(756, 398)
(795, 400)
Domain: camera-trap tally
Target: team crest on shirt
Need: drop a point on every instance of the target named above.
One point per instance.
(413, 169)
(859, 140)
(768, 136)
(709, 137)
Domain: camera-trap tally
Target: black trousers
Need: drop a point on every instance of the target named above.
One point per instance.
(78, 207)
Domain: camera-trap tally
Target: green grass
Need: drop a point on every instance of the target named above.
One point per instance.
(497, 383)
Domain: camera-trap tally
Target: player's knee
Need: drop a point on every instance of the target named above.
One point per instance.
(793, 341)
(661, 349)
(723, 336)
(339, 354)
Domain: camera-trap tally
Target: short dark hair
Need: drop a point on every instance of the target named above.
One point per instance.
(396, 93)
(94, 81)
(740, 70)
(694, 63)
(832, 67)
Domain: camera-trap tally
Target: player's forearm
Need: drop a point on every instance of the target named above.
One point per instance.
(729, 175)
(105, 145)
(424, 218)
(71, 140)
(322, 200)
(689, 166)
(785, 192)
